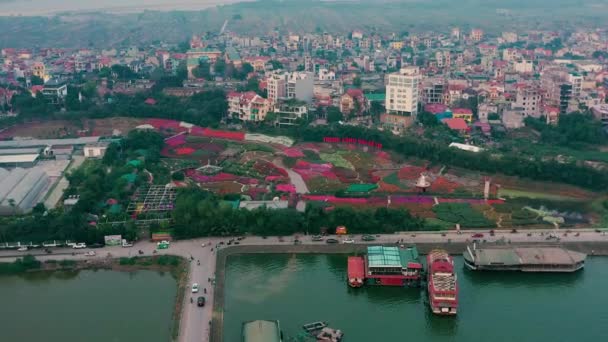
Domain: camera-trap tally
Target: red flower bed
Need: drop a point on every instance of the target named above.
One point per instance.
(197, 131)
(442, 185)
(411, 172)
(286, 188)
(211, 133)
(184, 151)
(385, 187)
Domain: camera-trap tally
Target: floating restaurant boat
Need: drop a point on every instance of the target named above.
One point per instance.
(442, 283)
(524, 259)
(385, 266)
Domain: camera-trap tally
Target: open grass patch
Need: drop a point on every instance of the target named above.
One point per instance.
(336, 160)
(531, 194)
(463, 214)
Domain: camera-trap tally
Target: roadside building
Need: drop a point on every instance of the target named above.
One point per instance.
(601, 113)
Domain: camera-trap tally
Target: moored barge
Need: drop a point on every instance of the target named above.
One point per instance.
(524, 259)
(442, 283)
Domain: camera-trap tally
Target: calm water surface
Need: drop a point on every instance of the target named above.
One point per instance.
(494, 307)
(92, 306)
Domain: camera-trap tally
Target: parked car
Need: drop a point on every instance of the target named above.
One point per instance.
(96, 245)
(368, 238)
(317, 238)
(22, 249)
(195, 288)
(332, 241)
(297, 242)
(200, 301)
(90, 253)
(79, 245)
(126, 243)
(349, 241)
(477, 236)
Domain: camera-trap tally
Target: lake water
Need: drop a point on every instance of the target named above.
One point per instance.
(496, 307)
(92, 306)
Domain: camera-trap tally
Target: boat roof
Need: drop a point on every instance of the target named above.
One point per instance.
(383, 256)
(261, 331)
(356, 268)
(527, 256)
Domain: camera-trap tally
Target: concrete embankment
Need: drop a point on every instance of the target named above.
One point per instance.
(599, 248)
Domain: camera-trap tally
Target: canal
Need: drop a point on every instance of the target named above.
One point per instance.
(302, 288)
(93, 306)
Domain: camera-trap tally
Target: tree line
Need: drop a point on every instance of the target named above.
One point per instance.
(202, 213)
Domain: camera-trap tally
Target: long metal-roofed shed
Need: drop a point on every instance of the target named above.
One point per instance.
(261, 331)
(18, 160)
(47, 142)
(21, 189)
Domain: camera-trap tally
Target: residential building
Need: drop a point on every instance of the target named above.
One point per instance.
(523, 66)
(463, 113)
(289, 111)
(247, 106)
(39, 70)
(402, 92)
(55, 90)
(353, 102)
(476, 35)
(432, 91)
(528, 99)
(290, 85)
(211, 54)
(601, 113)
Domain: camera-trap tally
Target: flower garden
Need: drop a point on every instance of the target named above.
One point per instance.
(348, 175)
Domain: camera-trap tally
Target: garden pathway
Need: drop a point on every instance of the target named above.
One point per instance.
(294, 177)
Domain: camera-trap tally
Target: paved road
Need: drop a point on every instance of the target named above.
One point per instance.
(195, 321)
(294, 177)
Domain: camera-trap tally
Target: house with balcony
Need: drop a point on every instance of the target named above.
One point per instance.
(247, 106)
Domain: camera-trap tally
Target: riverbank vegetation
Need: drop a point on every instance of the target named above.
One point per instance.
(202, 213)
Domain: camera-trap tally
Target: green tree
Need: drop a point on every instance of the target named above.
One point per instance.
(276, 64)
(357, 82)
(334, 114)
(36, 80)
(219, 68)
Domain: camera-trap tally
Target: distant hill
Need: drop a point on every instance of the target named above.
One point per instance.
(103, 29)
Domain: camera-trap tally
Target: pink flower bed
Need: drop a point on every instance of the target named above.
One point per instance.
(286, 188)
(293, 152)
(197, 131)
(220, 177)
(275, 179)
(470, 201)
(176, 140)
(308, 174)
(304, 165)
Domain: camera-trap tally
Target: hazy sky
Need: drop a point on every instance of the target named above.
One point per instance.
(43, 7)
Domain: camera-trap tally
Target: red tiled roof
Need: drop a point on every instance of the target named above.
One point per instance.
(355, 93)
(435, 108)
(457, 124)
(150, 101)
(462, 111)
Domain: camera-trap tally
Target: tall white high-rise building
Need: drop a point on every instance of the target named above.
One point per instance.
(402, 91)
